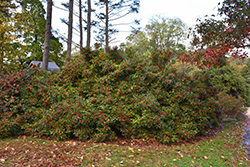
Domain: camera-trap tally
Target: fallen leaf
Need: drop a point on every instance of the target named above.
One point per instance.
(151, 160)
(205, 157)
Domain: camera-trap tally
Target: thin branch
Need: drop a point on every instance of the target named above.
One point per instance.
(124, 31)
(99, 18)
(75, 13)
(114, 14)
(64, 38)
(247, 45)
(119, 17)
(115, 41)
(60, 8)
(122, 24)
(112, 40)
(76, 34)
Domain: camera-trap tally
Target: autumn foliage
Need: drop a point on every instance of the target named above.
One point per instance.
(105, 94)
(213, 39)
(232, 107)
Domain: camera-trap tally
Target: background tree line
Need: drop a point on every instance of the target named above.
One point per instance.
(24, 37)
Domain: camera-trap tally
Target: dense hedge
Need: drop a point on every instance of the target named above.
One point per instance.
(227, 80)
(104, 94)
(245, 71)
(232, 107)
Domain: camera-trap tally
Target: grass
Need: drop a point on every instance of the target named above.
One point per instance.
(226, 149)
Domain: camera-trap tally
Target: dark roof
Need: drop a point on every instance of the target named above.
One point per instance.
(51, 65)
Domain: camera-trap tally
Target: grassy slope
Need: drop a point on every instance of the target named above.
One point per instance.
(224, 150)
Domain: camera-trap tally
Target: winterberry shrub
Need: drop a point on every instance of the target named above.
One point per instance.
(9, 92)
(107, 93)
(11, 98)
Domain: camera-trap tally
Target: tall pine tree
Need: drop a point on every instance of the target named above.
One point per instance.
(47, 36)
(113, 11)
(70, 29)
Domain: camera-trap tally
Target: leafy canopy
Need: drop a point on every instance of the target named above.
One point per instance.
(22, 35)
(214, 39)
(160, 33)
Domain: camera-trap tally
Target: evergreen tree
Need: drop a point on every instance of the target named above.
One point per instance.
(114, 10)
(80, 26)
(47, 36)
(70, 28)
(34, 38)
(89, 23)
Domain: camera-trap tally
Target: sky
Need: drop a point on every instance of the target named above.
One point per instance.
(187, 10)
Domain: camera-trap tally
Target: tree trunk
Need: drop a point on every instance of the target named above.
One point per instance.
(47, 36)
(1, 52)
(89, 23)
(80, 22)
(36, 36)
(70, 30)
(107, 24)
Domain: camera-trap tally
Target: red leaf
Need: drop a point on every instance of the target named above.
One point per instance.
(229, 29)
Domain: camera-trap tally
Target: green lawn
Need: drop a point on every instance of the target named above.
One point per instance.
(226, 149)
